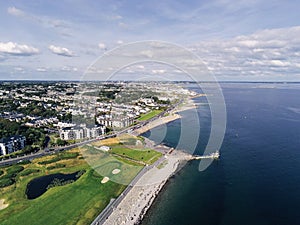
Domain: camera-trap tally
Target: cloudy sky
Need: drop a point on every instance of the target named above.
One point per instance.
(255, 40)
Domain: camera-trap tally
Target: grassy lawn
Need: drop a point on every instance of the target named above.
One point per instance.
(105, 162)
(125, 146)
(149, 115)
(147, 156)
(76, 203)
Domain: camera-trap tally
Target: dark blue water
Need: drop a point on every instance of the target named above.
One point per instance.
(257, 179)
(38, 186)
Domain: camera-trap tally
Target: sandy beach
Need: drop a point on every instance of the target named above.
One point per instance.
(155, 123)
(2, 204)
(188, 104)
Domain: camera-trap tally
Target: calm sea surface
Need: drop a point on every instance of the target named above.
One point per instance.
(257, 179)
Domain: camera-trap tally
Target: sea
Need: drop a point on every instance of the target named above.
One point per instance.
(256, 181)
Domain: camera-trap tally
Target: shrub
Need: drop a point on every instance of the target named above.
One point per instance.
(15, 169)
(9, 176)
(80, 173)
(6, 182)
(24, 162)
(1, 172)
(58, 165)
(29, 171)
(69, 155)
(65, 155)
(49, 161)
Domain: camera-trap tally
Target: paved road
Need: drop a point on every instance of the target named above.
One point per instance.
(100, 219)
(56, 150)
(5, 162)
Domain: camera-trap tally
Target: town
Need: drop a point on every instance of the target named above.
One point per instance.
(37, 116)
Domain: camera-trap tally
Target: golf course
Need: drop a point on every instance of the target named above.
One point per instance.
(101, 177)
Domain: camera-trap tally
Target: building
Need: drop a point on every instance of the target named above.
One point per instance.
(122, 122)
(117, 121)
(81, 132)
(104, 120)
(12, 144)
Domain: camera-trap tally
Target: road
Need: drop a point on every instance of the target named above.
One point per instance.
(100, 219)
(47, 151)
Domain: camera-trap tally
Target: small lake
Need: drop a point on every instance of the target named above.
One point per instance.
(38, 186)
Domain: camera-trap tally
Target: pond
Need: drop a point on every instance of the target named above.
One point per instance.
(40, 185)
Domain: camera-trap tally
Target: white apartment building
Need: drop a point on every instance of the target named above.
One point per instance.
(81, 132)
(12, 144)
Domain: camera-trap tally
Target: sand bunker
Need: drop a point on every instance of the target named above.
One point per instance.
(116, 171)
(104, 180)
(2, 205)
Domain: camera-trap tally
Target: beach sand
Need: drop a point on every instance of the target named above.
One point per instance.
(155, 123)
(104, 180)
(116, 171)
(188, 104)
(2, 205)
(138, 200)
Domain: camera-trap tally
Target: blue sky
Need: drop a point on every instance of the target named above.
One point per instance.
(237, 40)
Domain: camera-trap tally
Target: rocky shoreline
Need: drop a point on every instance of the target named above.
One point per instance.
(158, 190)
(139, 199)
(134, 206)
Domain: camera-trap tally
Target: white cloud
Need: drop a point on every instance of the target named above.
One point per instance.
(161, 71)
(17, 49)
(269, 53)
(147, 53)
(60, 25)
(20, 69)
(116, 17)
(61, 51)
(102, 46)
(69, 69)
(120, 42)
(41, 69)
(15, 12)
(123, 25)
(140, 67)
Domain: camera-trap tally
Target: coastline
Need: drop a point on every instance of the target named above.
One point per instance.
(155, 123)
(159, 190)
(186, 105)
(139, 199)
(135, 204)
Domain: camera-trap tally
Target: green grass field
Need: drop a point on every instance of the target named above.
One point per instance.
(149, 115)
(76, 203)
(147, 156)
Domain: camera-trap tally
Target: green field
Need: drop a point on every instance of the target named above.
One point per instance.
(147, 156)
(76, 203)
(150, 115)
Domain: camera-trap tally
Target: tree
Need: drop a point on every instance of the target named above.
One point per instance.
(61, 142)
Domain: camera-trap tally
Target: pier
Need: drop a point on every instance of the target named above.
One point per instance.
(214, 155)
